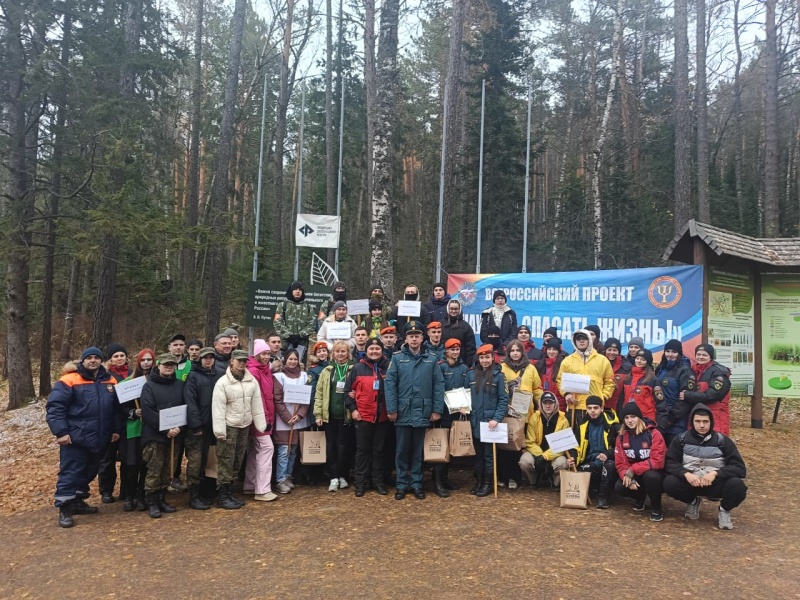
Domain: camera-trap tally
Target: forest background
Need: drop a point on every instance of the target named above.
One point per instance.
(130, 137)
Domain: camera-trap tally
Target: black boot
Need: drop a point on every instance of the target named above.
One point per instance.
(224, 498)
(446, 483)
(141, 502)
(487, 486)
(79, 507)
(130, 504)
(438, 485)
(478, 484)
(196, 501)
(152, 505)
(162, 503)
(65, 515)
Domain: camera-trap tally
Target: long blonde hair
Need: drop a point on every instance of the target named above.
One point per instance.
(640, 428)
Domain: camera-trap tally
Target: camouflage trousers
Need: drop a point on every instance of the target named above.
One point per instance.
(196, 456)
(156, 456)
(230, 454)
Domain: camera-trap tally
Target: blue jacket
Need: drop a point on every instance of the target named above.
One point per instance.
(85, 408)
(488, 405)
(414, 388)
(671, 380)
(455, 377)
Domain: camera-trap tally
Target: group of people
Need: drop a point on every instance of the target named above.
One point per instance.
(378, 383)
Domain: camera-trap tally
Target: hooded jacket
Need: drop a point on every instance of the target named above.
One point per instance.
(369, 402)
(85, 407)
(525, 379)
(639, 389)
(691, 452)
(488, 404)
(548, 369)
(596, 366)
(198, 390)
(609, 421)
(458, 329)
(322, 395)
(639, 453)
(535, 432)
(414, 388)
(294, 320)
(262, 373)
(437, 308)
(712, 388)
(324, 336)
(621, 368)
(508, 324)
(237, 403)
(672, 378)
(157, 394)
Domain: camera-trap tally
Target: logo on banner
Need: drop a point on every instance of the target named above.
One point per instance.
(665, 292)
(468, 293)
(306, 230)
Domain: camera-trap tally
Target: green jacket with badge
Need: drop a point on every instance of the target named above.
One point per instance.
(414, 388)
(322, 395)
(294, 321)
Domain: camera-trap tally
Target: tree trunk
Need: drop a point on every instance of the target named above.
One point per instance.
(370, 84)
(701, 107)
(215, 276)
(387, 80)
(330, 163)
(771, 152)
(20, 195)
(737, 113)
(682, 120)
(60, 99)
(69, 313)
(193, 187)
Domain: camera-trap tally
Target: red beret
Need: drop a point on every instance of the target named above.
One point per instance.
(485, 349)
(452, 343)
(434, 325)
(386, 330)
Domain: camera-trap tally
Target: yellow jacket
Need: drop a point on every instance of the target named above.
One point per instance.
(534, 434)
(598, 368)
(529, 381)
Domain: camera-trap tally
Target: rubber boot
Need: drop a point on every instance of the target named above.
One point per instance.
(196, 501)
(224, 499)
(446, 483)
(162, 503)
(478, 484)
(65, 515)
(438, 485)
(487, 486)
(152, 505)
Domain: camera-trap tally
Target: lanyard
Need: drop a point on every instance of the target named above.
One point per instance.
(340, 373)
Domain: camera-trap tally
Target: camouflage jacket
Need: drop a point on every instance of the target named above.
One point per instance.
(295, 320)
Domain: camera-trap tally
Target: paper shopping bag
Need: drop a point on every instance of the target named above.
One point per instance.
(516, 434)
(521, 402)
(461, 439)
(436, 446)
(574, 489)
(211, 462)
(312, 448)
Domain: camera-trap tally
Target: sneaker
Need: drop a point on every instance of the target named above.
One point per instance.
(268, 497)
(288, 481)
(602, 502)
(334, 486)
(693, 509)
(725, 519)
(638, 505)
(501, 484)
(512, 485)
(176, 486)
(283, 488)
(342, 483)
(657, 516)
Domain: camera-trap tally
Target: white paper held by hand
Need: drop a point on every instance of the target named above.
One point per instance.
(172, 417)
(498, 435)
(561, 441)
(339, 331)
(457, 399)
(297, 394)
(131, 389)
(408, 308)
(575, 384)
(358, 307)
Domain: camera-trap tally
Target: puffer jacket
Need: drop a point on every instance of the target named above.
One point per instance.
(639, 453)
(608, 419)
(672, 378)
(597, 367)
(488, 404)
(437, 308)
(459, 329)
(369, 402)
(323, 335)
(157, 394)
(712, 388)
(639, 389)
(414, 388)
(621, 368)
(85, 407)
(322, 395)
(237, 403)
(198, 390)
(456, 376)
(262, 373)
(508, 325)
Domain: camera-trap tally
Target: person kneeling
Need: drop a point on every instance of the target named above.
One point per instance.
(596, 437)
(701, 463)
(539, 461)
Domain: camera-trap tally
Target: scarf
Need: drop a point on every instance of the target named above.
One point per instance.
(497, 314)
(292, 373)
(700, 369)
(637, 374)
(122, 371)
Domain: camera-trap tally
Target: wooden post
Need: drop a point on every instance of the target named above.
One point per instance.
(756, 407)
(494, 467)
(700, 259)
(171, 459)
(777, 408)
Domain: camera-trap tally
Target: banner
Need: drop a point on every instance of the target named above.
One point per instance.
(656, 304)
(731, 326)
(780, 334)
(317, 231)
(264, 296)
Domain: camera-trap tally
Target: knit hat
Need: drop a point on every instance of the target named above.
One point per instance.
(547, 397)
(452, 343)
(207, 351)
(648, 356)
(708, 348)
(434, 325)
(613, 343)
(630, 408)
(92, 351)
(594, 400)
(339, 284)
(439, 284)
(492, 330)
(374, 342)
(594, 329)
(239, 355)
(114, 348)
(550, 331)
(373, 304)
(497, 294)
(339, 304)
(525, 327)
(167, 358)
(260, 346)
(485, 349)
(319, 345)
(636, 341)
(553, 342)
(674, 345)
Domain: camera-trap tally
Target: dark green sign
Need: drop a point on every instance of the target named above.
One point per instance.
(264, 296)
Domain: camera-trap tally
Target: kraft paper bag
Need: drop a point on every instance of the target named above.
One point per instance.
(312, 448)
(521, 402)
(211, 462)
(575, 489)
(461, 439)
(437, 446)
(516, 434)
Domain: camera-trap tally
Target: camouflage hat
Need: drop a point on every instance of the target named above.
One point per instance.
(167, 358)
(206, 351)
(239, 355)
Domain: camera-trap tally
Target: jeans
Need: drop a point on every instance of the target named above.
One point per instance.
(285, 461)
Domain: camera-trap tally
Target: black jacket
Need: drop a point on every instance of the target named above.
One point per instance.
(157, 394)
(460, 330)
(438, 308)
(508, 326)
(221, 363)
(197, 393)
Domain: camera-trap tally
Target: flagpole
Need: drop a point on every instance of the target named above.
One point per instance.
(480, 180)
(300, 182)
(441, 192)
(339, 184)
(251, 331)
(527, 184)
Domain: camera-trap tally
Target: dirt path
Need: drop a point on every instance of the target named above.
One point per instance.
(315, 544)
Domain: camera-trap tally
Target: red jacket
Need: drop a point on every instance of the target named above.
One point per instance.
(621, 368)
(548, 372)
(712, 386)
(639, 453)
(360, 392)
(640, 390)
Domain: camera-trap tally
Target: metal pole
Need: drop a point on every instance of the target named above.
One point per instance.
(300, 181)
(527, 184)
(251, 331)
(480, 179)
(339, 184)
(441, 193)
